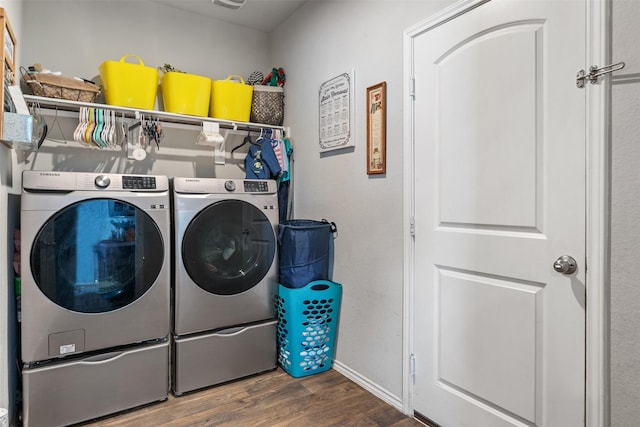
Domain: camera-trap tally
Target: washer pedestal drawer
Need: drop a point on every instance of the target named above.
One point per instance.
(82, 389)
(207, 359)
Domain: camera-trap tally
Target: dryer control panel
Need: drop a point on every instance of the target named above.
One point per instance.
(224, 186)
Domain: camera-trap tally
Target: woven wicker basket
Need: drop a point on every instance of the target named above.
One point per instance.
(267, 106)
(62, 87)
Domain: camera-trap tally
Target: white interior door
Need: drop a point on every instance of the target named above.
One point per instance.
(499, 195)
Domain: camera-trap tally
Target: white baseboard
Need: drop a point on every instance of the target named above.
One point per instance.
(368, 385)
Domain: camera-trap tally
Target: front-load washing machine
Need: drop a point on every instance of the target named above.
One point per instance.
(226, 275)
(95, 294)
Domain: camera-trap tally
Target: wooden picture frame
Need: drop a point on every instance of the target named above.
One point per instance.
(377, 129)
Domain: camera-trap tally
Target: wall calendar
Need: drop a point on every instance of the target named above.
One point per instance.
(336, 107)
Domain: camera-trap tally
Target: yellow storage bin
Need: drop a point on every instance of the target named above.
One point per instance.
(231, 100)
(184, 93)
(129, 85)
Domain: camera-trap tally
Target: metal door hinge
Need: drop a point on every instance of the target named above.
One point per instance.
(412, 88)
(595, 72)
(412, 227)
(412, 365)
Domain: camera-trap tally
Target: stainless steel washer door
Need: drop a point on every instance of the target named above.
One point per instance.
(229, 247)
(97, 255)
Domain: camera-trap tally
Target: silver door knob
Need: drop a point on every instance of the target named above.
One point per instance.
(565, 265)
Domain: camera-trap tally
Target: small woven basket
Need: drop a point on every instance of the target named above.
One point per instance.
(53, 86)
(267, 105)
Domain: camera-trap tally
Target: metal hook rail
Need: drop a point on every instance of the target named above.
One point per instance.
(63, 104)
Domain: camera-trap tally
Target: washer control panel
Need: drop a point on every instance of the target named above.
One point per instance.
(138, 182)
(256, 187)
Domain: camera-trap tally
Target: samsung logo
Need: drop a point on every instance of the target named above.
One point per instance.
(192, 180)
(49, 174)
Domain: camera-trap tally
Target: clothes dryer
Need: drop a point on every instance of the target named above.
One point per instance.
(226, 252)
(95, 293)
(226, 275)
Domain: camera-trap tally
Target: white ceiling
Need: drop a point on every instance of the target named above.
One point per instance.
(263, 15)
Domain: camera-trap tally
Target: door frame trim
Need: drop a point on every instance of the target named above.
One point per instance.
(598, 217)
(598, 105)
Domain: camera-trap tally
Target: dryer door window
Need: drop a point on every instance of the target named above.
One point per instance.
(97, 255)
(228, 247)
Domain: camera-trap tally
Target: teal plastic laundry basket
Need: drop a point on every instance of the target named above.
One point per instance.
(307, 326)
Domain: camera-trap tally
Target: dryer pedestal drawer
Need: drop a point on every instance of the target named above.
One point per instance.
(205, 360)
(99, 385)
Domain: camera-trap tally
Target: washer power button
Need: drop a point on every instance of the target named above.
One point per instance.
(102, 181)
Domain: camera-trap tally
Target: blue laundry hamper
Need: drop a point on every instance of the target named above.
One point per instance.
(305, 249)
(307, 326)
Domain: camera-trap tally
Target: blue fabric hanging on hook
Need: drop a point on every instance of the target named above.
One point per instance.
(261, 161)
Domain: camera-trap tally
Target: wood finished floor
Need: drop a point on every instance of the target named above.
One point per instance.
(272, 399)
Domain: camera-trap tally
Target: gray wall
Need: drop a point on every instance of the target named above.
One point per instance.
(625, 215)
(90, 32)
(320, 41)
(100, 30)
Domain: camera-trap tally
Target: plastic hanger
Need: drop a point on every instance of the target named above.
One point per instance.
(99, 126)
(247, 140)
(77, 134)
(104, 134)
